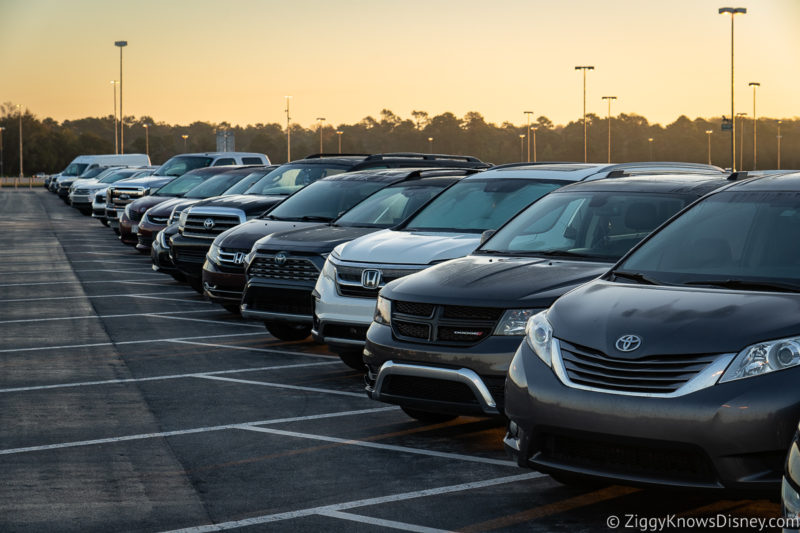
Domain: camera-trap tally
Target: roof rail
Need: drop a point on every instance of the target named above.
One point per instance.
(536, 163)
(738, 175)
(323, 154)
(433, 172)
(420, 155)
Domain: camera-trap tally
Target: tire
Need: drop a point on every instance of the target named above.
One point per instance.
(288, 332)
(427, 416)
(233, 308)
(352, 358)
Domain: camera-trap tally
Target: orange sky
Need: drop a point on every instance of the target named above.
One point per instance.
(234, 61)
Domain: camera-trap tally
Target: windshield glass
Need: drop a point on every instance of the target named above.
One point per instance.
(287, 179)
(392, 205)
(116, 176)
(92, 172)
(598, 225)
(184, 184)
(74, 169)
(214, 186)
(479, 204)
(180, 165)
(730, 238)
(251, 179)
(324, 200)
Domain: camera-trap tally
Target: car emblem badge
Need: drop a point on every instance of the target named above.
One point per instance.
(628, 343)
(370, 278)
(280, 258)
(238, 258)
(208, 223)
(124, 197)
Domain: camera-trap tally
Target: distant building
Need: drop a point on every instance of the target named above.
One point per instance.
(226, 141)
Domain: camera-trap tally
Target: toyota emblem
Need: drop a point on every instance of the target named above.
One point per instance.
(280, 258)
(208, 223)
(370, 278)
(628, 343)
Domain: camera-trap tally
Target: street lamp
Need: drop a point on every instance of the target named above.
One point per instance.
(529, 113)
(741, 138)
(584, 68)
(609, 98)
(708, 134)
(339, 135)
(146, 139)
(754, 84)
(2, 129)
(19, 107)
(116, 138)
(521, 146)
(121, 45)
(534, 128)
(733, 12)
(779, 144)
(184, 137)
(288, 131)
(320, 120)
(430, 145)
(650, 142)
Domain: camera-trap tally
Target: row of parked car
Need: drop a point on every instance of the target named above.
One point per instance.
(634, 322)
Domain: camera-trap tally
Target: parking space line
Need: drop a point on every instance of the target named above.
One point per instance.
(160, 313)
(77, 281)
(175, 299)
(178, 432)
(9, 263)
(301, 513)
(121, 343)
(283, 386)
(227, 323)
(253, 349)
(160, 378)
(84, 296)
(379, 446)
(391, 524)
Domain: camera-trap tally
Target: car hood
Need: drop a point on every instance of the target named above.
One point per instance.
(83, 183)
(153, 182)
(243, 236)
(672, 320)
(318, 238)
(495, 281)
(251, 204)
(164, 209)
(140, 205)
(407, 247)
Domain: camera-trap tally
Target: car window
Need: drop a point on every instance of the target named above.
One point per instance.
(287, 179)
(179, 186)
(390, 206)
(224, 161)
(214, 186)
(74, 169)
(324, 200)
(253, 161)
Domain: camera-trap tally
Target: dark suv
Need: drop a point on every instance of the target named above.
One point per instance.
(285, 266)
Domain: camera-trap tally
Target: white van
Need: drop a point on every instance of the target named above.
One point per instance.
(84, 163)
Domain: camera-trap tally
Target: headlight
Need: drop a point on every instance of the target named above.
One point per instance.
(172, 214)
(514, 321)
(383, 311)
(128, 211)
(791, 502)
(162, 240)
(249, 259)
(763, 358)
(182, 219)
(213, 254)
(539, 336)
(329, 270)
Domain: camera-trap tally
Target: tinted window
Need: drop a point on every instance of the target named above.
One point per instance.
(287, 179)
(180, 165)
(324, 200)
(253, 161)
(74, 169)
(92, 172)
(392, 205)
(116, 176)
(214, 186)
(180, 186)
(224, 161)
(244, 184)
(479, 204)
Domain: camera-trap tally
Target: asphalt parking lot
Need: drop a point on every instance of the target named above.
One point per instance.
(128, 403)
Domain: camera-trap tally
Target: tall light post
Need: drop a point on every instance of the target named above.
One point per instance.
(741, 116)
(733, 12)
(121, 45)
(339, 134)
(529, 113)
(146, 139)
(288, 131)
(2, 129)
(650, 142)
(521, 146)
(116, 133)
(708, 134)
(430, 145)
(754, 84)
(534, 143)
(320, 120)
(184, 137)
(779, 144)
(19, 107)
(584, 68)
(609, 99)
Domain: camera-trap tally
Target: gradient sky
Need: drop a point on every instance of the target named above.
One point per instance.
(235, 60)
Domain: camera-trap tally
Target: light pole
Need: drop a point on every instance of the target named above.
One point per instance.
(754, 84)
(521, 146)
(741, 138)
(19, 106)
(650, 142)
(320, 120)
(708, 134)
(116, 133)
(430, 145)
(609, 98)
(339, 135)
(529, 113)
(534, 143)
(146, 139)
(779, 144)
(584, 68)
(288, 131)
(184, 137)
(2, 129)
(121, 45)
(733, 12)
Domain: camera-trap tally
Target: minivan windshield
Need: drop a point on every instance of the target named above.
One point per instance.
(322, 201)
(181, 164)
(733, 239)
(75, 169)
(476, 205)
(584, 225)
(287, 179)
(390, 206)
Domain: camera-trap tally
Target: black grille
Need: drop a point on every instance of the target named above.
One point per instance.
(208, 226)
(416, 331)
(135, 216)
(294, 268)
(661, 374)
(145, 241)
(438, 390)
(354, 291)
(412, 308)
(292, 301)
(455, 325)
(189, 255)
(471, 313)
(358, 333)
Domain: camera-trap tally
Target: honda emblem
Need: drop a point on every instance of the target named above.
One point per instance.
(370, 278)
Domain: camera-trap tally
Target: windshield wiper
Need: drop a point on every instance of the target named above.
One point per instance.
(313, 218)
(772, 286)
(634, 276)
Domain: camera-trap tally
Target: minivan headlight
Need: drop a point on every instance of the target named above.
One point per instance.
(763, 358)
(514, 321)
(383, 311)
(328, 270)
(539, 336)
(213, 254)
(182, 218)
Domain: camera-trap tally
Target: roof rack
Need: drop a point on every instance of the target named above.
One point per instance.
(424, 157)
(433, 172)
(536, 163)
(323, 154)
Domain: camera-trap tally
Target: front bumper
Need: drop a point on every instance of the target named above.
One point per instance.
(80, 201)
(730, 436)
(340, 321)
(223, 285)
(161, 259)
(112, 216)
(273, 300)
(128, 230)
(146, 233)
(189, 254)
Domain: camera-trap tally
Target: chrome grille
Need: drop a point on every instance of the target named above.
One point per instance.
(196, 225)
(120, 197)
(348, 280)
(157, 220)
(443, 324)
(660, 374)
(295, 268)
(81, 191)
(227, 259)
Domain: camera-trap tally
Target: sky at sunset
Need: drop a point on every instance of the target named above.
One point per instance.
(235, 61)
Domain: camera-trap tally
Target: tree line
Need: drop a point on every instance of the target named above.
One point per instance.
(49, 145)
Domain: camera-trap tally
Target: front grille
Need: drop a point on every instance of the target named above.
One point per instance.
(228, 259)
(437, 390)
(189, 255)
(135, 216)
(100, 198)
(292, 268)
(291, 301)
(121, 197)
(161, 221)
(348, 280)
(81, 192)
(358, 333)
(656, 374)
(443, 324)
(208, 226)
(660, 460)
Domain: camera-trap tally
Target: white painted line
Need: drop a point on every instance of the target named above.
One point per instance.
(283, 386)
(265, 350)
(38, 262)
(379, 446)
(159, 378)
(175, 299)
(224, 322)
(121, 343)
(266, 519)
(83, 296)
(89, 317)
(141, 436)
(167, 281)
(76, 281)
(391, 524)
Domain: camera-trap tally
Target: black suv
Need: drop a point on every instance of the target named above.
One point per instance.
(442, 339)
(285, 266)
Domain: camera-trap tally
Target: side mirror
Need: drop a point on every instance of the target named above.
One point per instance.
(486, 235)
